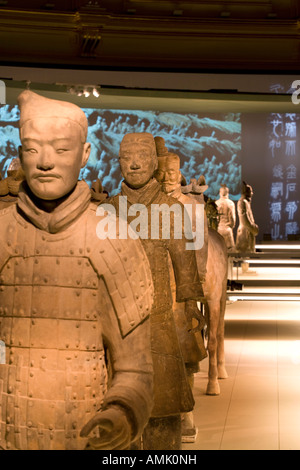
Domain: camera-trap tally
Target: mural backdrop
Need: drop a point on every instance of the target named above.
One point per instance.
(207, 144)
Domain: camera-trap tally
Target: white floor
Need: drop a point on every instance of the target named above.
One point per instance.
(259, 404)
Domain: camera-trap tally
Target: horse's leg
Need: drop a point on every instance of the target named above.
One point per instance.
(213, 308)
(222, 373)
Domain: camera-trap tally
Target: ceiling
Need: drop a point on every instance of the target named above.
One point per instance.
(257, 36)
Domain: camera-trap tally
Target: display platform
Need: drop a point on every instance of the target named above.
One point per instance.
(271, 273)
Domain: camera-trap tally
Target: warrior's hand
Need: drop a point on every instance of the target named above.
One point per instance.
(192, 312)
(114, 430)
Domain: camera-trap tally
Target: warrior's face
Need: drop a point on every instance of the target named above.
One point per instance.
(138, 162)
(168, 174)
(52, 155)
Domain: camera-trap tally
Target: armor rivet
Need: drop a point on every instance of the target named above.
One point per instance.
(77, 325)
(1, 288)
(87, 346)
(88, 250)
(16, 251)
(43, 238)
(46, 280)
(33, 322)
(79, 262)
(8, 243)
(80, 251)
(74, 396)
(8, 266)
(20, 343)
(78, 282)
(67, 345)
(29, 424)
(78, 293)
(36, 261)
(22, 312)
(94, 346)
(71, 252)
(31, 374)
(16, 263)
(34, 311)
(77, 344)
(9, 389)
(8, 445)
(32, 363)
(57, 261)
(51, 427)
(30, 394)
(37, 252)
(16, 289)
(74, 425)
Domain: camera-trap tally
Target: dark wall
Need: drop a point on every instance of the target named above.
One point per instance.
(271, 165)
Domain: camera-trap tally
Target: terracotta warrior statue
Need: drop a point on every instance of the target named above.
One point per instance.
(247, 230)
(227, 220)
(191, 340)
(172, 392)
(65, 297)
(9, 187)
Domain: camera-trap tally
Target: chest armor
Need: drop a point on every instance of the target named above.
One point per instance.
(55, 376)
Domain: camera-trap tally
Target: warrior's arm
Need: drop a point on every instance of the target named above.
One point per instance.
(188, 285)
(132, 371)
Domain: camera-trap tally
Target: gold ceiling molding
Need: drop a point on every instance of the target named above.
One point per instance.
(97, 39)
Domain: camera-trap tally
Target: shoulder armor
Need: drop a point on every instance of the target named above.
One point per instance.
(125, 268)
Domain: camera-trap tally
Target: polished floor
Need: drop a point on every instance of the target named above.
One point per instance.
(259, 404)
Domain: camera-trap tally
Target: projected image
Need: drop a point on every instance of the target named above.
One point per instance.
(208, 145)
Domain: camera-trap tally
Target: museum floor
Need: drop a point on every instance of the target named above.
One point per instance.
(259, 405)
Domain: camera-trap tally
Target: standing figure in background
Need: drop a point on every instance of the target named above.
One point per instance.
(172, 392)
(214, 287)
(226, 209)
(247, 230)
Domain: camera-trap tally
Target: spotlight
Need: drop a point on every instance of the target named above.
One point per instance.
(96, 92)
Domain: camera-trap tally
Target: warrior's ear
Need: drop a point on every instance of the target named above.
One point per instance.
(20, 151)
(85, 154)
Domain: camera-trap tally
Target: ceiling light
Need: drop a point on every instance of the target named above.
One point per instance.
(96, 92)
